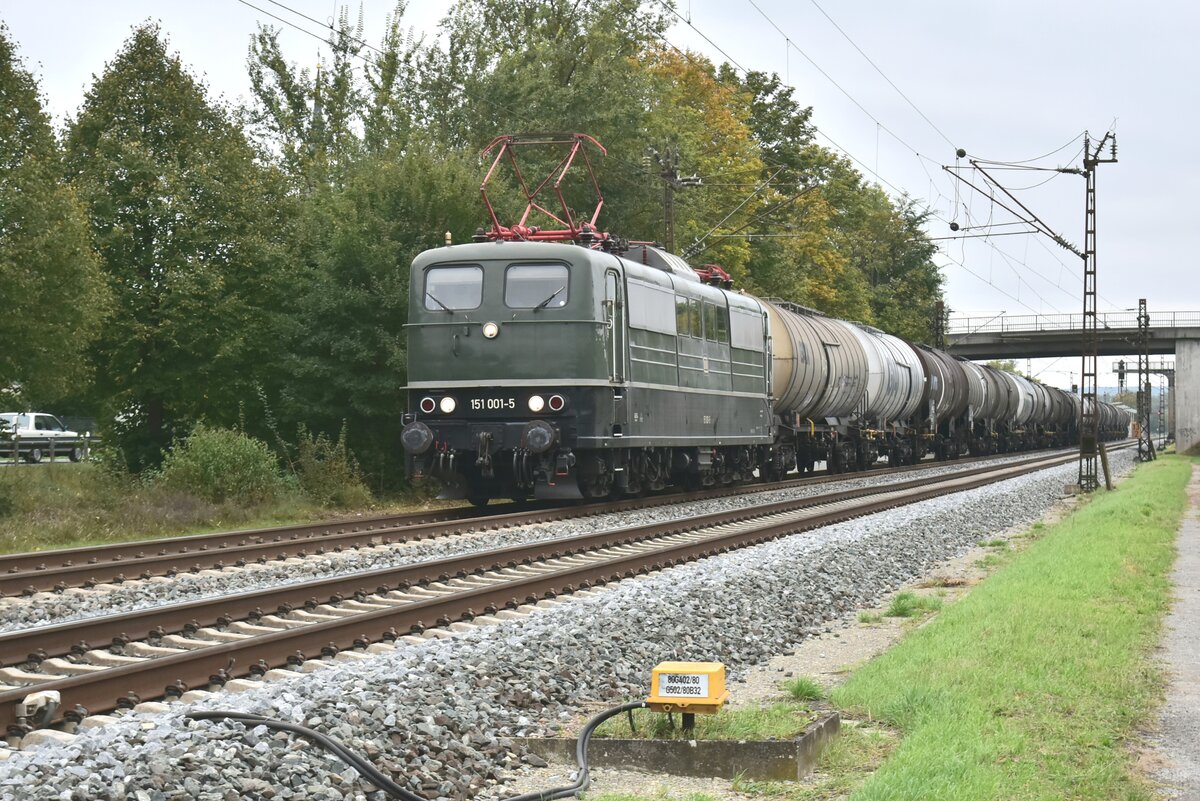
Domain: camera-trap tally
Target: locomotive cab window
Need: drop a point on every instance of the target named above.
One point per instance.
(536, 286)
(453, 288)
(694, 319)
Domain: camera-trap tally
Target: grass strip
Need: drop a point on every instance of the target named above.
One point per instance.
(1027, 688)
(779, 721)
(65, 505)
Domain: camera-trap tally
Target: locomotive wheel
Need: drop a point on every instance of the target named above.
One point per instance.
(595, 479)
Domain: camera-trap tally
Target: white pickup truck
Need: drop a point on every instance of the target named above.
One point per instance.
(35, 435)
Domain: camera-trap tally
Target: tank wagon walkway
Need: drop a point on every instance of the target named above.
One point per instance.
(1178, 741)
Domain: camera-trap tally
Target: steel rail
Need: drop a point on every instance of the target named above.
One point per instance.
(65, 638)
(43, 571)
(213, 665)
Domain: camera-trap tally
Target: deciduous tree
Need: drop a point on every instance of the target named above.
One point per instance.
(53, 294)
(189, 227)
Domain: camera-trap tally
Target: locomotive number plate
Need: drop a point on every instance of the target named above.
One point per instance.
(492, 404)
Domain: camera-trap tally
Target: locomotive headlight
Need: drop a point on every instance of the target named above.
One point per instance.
(428, 405)
(448, 405)
(557, 402)
(490, 330)
(536, 403)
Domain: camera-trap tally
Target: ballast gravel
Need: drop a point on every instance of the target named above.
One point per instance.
(441, 714)
(46, 607)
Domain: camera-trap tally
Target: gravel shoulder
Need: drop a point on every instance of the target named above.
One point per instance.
(829, 657)
(442, 712)
(1172, 755)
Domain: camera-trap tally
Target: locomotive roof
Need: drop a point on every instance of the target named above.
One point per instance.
(501, 249)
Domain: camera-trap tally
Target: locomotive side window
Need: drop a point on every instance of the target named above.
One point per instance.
(746, 330)
(535, 286)
(650, 308)
(711, 314)
(681, 317)
(453, 288)
(694, 319)
(722, 315)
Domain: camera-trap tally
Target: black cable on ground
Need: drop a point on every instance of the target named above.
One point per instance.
(359, 763)
(377, 778)
(582, 779)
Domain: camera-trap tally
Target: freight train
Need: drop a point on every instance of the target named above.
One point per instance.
(587, 368)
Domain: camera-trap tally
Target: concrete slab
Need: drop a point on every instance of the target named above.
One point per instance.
(765, 760)
(1178, 746)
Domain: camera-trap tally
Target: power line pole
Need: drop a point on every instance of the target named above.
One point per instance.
(939, 325)
(1089, 412)
(1089, 423)
(1145, 437)
(668, 163)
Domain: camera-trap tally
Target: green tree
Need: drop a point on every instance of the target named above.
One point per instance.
(190, 228)
(856, 252)
(345, 357)
(54, 296)
(309, 117)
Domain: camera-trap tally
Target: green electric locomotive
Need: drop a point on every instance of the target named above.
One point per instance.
(550, 370)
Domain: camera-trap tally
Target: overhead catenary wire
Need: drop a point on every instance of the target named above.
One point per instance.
(758, 187)
(1018, 164)
(882, 73)
(866, 168)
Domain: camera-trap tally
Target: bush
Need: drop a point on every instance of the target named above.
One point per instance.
(327, 471)
(218, 464)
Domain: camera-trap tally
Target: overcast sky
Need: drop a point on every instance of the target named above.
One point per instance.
(1005, 81)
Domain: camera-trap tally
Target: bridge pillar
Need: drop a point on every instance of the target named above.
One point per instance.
(1187, 399)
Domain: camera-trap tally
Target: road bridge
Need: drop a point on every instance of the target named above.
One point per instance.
(1050, 335)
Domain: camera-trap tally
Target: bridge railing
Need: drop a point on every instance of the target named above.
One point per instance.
(1025, 323)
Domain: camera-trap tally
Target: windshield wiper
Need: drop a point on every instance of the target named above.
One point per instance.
(432, 297)
(553, 295)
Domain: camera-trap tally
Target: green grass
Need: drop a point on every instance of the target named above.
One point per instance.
(778, 721)
(869, 617)
(907, 604)
(996, 543)
(64, 505)
(842, 767)
(1029, 686)
(802, 688)
(990, 561)
(663, 794)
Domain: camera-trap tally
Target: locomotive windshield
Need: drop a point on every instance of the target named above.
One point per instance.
(535, 286)
(451, 288)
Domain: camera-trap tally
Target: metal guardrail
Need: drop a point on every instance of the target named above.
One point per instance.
(1030, 323)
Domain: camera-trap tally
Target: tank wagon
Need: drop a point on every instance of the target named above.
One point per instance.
(583, 367)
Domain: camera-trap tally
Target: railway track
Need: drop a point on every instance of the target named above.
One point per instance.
(204, 645)
(89, 566)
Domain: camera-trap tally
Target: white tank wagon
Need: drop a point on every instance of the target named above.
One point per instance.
(895, 380)
(819, 366)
